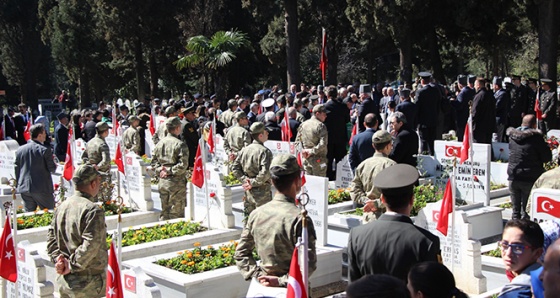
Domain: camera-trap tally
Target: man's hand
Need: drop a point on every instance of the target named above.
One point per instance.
(247, 185)
(369, 206)
(163, 173)
(305, 153)
(232, 157)
(544, 116)
(269, 281)
(62, 267)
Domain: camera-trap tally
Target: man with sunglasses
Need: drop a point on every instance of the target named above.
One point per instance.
(521, 246)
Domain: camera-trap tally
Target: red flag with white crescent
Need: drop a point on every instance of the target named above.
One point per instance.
(119, 159)
(323, 63)
(197, 178)
(114, 285)
(466, 142)
(548, 205)
(68, 171)
(446, 209)
(286, 131)
(296, 288)
(8, 269)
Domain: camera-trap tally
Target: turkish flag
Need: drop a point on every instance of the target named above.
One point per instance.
(537, 107)
(8, 269)
(26, 132)
(152, 123)
(354, 132)
(446, 208)
(119, 159)
(301, 166)
(323, 62)
(296, 288)
(68, 171)
(130, 283)
(466, 143)
(114, 284)
(197, 178)
(211, 138)
(549, 206)
(286, 131)
(115, 129)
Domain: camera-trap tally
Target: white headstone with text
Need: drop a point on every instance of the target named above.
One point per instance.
(32, 274)
(80, 147)
(545, 204)
(149, 143)
(344, 173)
(278, 147)
(318, 190)
(112, 143)
(135, 183)
(138, 284)
(474, 172)
(8, 158)
(220, 158)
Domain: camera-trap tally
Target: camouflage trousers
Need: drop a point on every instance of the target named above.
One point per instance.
(315, 166)
(86, 286)
(256, 197)
(173, 195)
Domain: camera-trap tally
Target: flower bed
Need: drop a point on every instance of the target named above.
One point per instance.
(423, 194)
(338, 195)
(157, 232)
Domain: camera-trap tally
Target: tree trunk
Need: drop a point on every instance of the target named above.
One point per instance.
(292, 42)
(139, 69)
(85, 99)
(370, 63)
(154, 75)
(405, 55)
(435, 57)
(495, 61)
(548, 13)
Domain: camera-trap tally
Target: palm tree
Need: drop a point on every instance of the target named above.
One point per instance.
(212, 56)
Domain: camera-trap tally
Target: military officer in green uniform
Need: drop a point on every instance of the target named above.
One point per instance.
(251, 167)
(170, 162)
(273, 229)
(237, 136)
(190, 132)
(227, 117)
(131, 136)
(97, 154)
(362, 189)
(76, 239)
(312, 135)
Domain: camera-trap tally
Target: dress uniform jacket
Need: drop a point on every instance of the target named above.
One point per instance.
(390, 245)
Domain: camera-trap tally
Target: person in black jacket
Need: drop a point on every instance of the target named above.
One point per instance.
(502, 106)
(527, 153)
(61, 136)
(271, 125)
(362, 144)
(483, 114)
(428, 102)
(368, 105)
(338, 116)
(405, 145)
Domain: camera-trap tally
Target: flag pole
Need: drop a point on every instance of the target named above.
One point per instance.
(471, 151)
(305, 248)
(453, 193)
(203, 153)
(14, 227)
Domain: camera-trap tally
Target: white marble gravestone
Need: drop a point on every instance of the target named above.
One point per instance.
(545, 204)
(137, 284)
(220, 158)
(79, 148)
(344, 174)
(149, 143)
(318, 188)
(112, 143)
(31, 274)
(8, 158)
(278, 147)
(135, 183)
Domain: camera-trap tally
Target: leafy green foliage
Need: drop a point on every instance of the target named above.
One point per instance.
(338, 195)
(158, 232)
(424, 194)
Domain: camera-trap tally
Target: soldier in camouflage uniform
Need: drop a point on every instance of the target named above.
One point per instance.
(97, 154)
(161, 131)
(227, 117)
(131, 136)
(273, 229)
(362, 189)
(251, 167)
(237, 136)
(312, 135)
(170, 161)
(76, 239)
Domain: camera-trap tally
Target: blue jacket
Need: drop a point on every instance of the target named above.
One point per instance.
(361, 148)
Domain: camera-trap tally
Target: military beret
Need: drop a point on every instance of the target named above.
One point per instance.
(365, 88)
(397, 180)
(405, 92)
(257, 128)
(381, 136)
(462, 79)
(172, 122)
(267, 103)
(101, 126)
(197, 96)
(85, 173)
(123, 107)
(284, 164)
(61, 116)
(169, 110)
(546, 81)
(239, 115)
(133, 118)
(425, 74)
(232, 103)
(471, 78)
(319, 109)
(497, 81)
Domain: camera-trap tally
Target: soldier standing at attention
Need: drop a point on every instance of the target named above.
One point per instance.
(547, 102)
(97, 154)
(314, 138)
(161, 131)
(362, 189)
(131, 136)
(76, 239)
(189, 135)
(227, 116)
(237, 136)
(170, 161)
(251, 167)
(274, 228)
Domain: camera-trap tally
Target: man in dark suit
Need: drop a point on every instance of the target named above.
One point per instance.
(61, 136)
(405, 145)
(502, 97)
(428, 102)
(9, 125)
(367, 106)
(461, 105)
(392, 244)
(89, 129)
(33, 167)
(483, 114)
(361, 147)
(407, 107)
(338, 116)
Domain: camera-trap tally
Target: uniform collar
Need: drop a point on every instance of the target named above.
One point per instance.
(283, 198)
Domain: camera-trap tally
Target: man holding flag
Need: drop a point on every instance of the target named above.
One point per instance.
(274, 229)
(76, 240)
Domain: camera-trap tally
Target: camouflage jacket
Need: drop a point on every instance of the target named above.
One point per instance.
(227, 117)
(253, 163)
(97, 153)
(362, 187)
(273, 229)
(78, 232)
(131, 139)
(236, 138)
(161, 133)
(172, 153)
(313, 135)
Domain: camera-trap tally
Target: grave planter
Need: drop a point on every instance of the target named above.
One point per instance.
(226, 282)
(498, 172)
(498, 193)
(36, 235)
(339, 226)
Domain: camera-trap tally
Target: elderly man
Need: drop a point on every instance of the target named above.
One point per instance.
(33, 167)
(76, 239)
(405, 146)
(313, 137)
(273, 229)
(170, 161)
